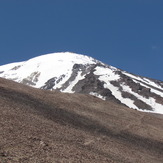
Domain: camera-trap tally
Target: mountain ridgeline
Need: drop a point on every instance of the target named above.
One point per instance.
(75, 73)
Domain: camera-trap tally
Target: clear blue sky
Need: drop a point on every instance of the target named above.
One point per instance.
(127, 34)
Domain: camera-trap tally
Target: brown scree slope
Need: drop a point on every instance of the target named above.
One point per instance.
(39, 126)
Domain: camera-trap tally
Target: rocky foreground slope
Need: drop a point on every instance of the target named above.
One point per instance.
(70, 72)
(49, 126)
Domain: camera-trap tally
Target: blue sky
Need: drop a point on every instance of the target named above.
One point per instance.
(127, 34)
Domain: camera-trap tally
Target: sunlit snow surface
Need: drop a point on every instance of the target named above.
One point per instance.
(40, 69)
(50, 65)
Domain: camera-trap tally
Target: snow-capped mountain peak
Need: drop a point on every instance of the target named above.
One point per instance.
(70, 72)
(42, 68)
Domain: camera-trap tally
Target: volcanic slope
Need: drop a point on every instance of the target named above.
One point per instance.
(49, 126)
(70, 72)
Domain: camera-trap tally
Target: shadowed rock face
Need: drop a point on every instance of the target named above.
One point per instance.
(92, 83)
(52, 82)
(49, 126)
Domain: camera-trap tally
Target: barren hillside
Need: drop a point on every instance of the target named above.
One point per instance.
(41, 126)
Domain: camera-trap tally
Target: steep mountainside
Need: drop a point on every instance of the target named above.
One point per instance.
(49, 126)
(70, 72)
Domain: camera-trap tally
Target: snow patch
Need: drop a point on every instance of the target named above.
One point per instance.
(106, 74)
(97, 95)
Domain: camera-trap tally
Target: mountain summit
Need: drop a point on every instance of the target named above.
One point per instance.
(75, 73)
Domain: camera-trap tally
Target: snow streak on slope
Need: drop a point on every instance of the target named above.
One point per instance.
(152, 89)
(107, 75)
(69, 89)
(150, 101)
(144, 80)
